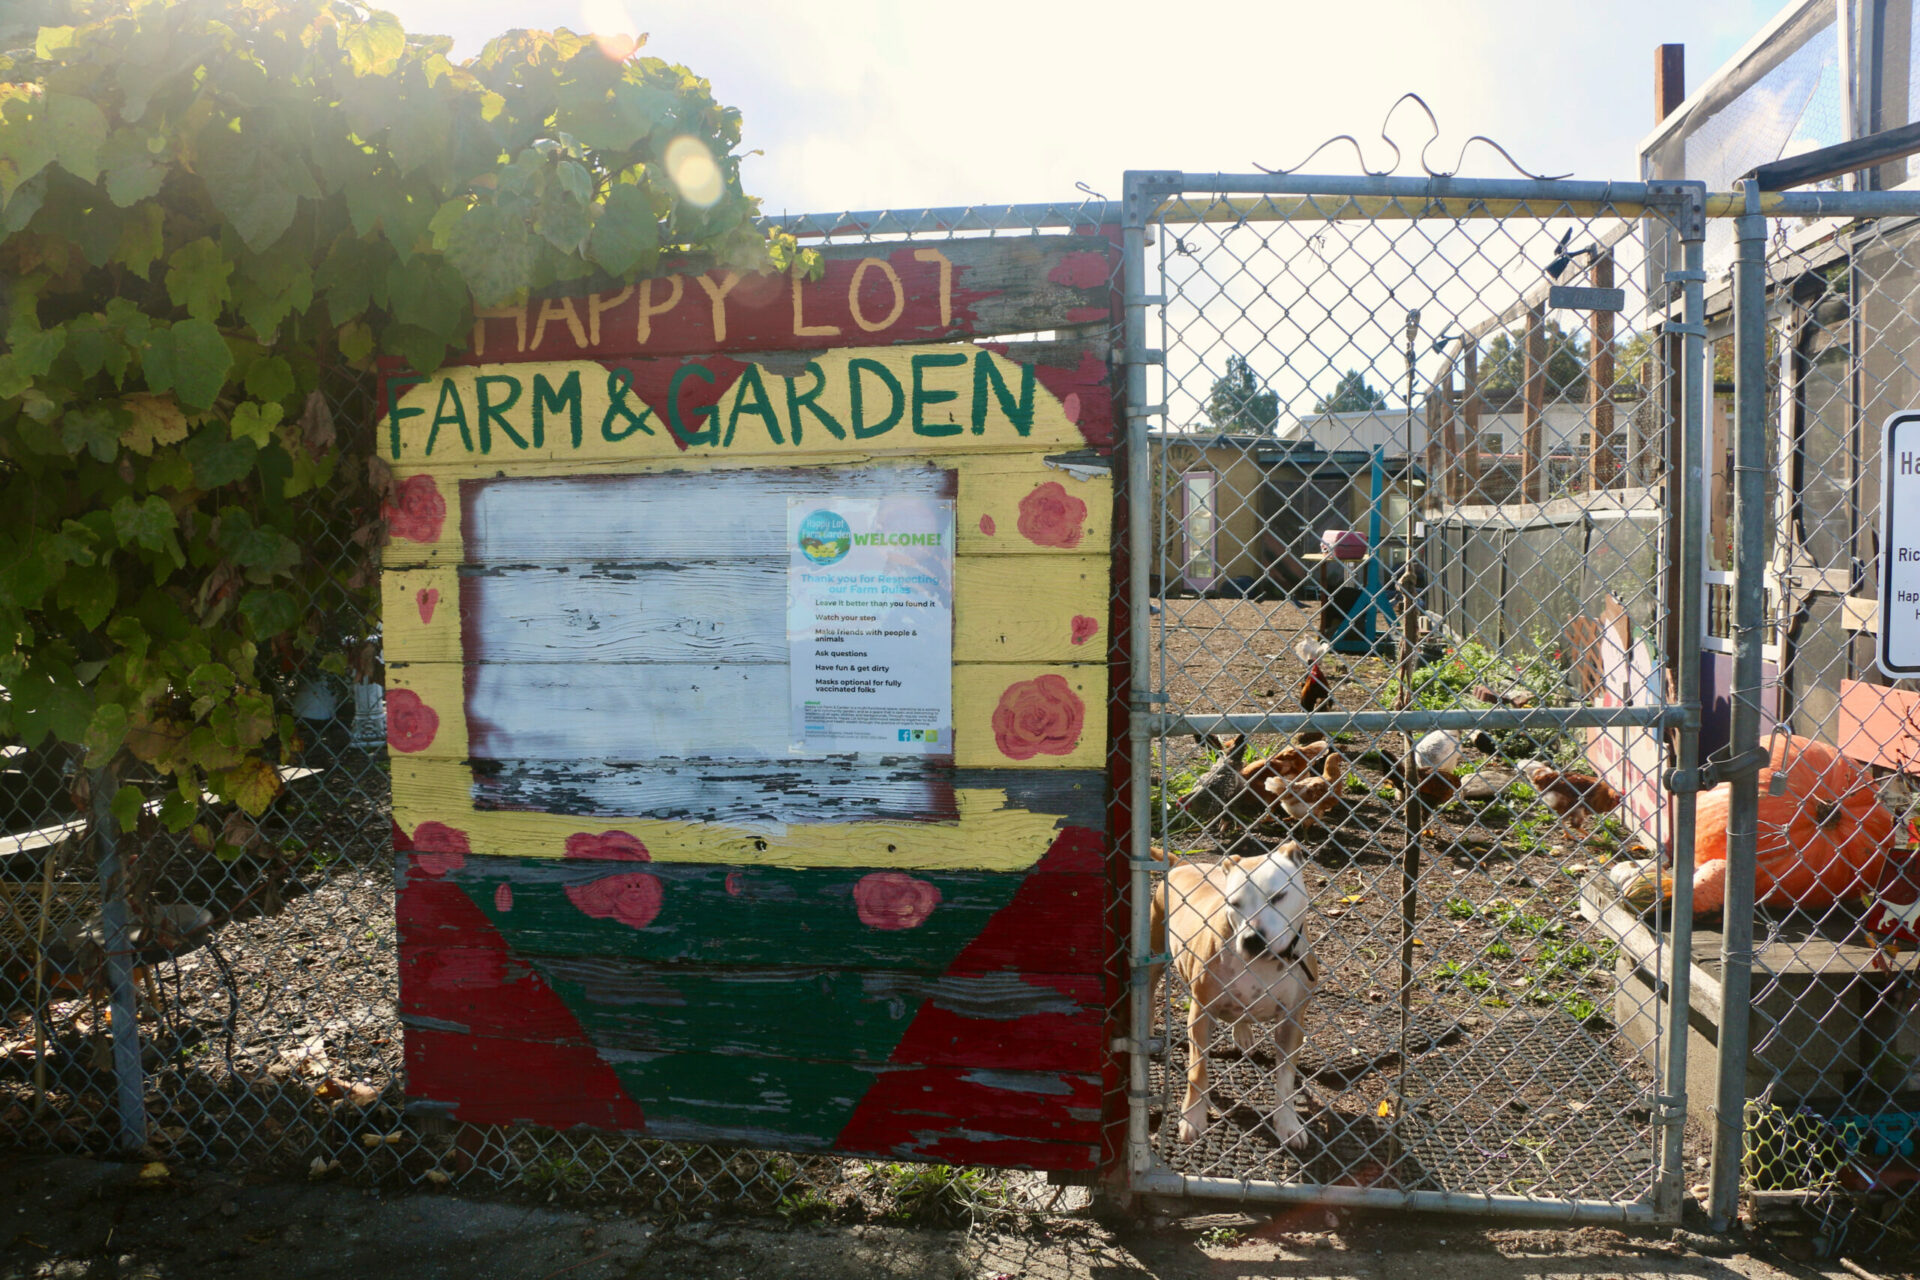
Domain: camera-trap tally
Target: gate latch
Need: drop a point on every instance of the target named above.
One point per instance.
(1714, 772)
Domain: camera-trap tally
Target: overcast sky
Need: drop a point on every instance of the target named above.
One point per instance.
(862, 104)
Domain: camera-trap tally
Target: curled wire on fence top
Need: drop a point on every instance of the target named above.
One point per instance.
(1434, 123)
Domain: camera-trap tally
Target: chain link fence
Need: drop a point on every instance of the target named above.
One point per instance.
(272, 1027)
(1414, 521)
(1832, 1127)
(1416, 571)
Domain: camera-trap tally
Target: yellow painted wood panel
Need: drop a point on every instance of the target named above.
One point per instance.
(1049, 608)
(1008, 504)
(992, 834)
(892, 401)
(1029, 714)
(1006, 715)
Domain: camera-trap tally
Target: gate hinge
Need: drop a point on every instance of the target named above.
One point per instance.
(1684, 277)
(1160, 299)
(1146, 355)
(1670, 1108)
(1714, 772)
(1684, 330)
(1127, 1044)
(1144, 703)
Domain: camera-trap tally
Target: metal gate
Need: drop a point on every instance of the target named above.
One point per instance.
(1408, 475)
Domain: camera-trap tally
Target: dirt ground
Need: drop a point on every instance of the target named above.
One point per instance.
(74, 1218)
(1519, 1077)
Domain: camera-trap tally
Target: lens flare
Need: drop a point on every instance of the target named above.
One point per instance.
(613, 28)
(693, 171)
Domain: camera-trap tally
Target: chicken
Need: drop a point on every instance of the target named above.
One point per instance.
(1573, 796)
(1314, 692)
(1312, 797)
(1426, 774)
(1892, 916)
(1233, 784)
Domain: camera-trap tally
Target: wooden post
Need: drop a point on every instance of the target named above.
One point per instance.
(1669, 79)
(1602, 465)
(1533, 450)
(1449, 480)
(1470, 412)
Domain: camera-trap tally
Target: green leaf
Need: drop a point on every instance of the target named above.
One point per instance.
(356, 341)
(177, 813)
(90, 593)
(492, 249)
(133, 173)
(429, 294)
(200, 363)
(254, 421)
(627, 235)
(270, 610)
(217, 461)
(375, 45)
(255, 184)
(78, 127)
(270, 378)
(52, 40)
(263, 549)
(142, 239)
(354, 275)
(148, 524)
(94, 427)
(197, 275)
(126, 804)
(271, 287)
(105, 733)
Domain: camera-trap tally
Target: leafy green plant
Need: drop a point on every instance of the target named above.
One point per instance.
(1461, 909)
(210, 212)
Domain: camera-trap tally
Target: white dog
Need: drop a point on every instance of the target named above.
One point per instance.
(1232, 931)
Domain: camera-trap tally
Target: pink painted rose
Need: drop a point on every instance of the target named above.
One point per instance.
(893, 900)
(1084, 628)
(417, 511)
(986, 525)
(503, 898)
(426, 598)
(411, 723)
(1042, 716)
(632, 898)
(1052, 517)
(609, 846)
(439, 848)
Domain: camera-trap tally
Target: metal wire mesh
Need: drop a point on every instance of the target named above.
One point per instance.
(1834, 1094)
(271, 1024)
(1398, 472)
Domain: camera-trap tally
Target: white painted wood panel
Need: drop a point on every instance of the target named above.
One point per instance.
(688, 612)
(675, 517)
(631, 714)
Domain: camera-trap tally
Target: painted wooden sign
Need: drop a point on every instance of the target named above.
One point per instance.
(629, 899)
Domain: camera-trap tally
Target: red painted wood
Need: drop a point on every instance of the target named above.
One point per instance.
(967, 1117)
(762, 313)
(1039, 1042)
(548, 1075)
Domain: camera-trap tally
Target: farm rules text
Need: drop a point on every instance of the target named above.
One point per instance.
(870, 625)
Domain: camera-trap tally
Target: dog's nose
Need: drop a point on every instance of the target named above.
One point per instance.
(1253, 943)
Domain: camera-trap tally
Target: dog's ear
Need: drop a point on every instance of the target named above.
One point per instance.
(1288, 849)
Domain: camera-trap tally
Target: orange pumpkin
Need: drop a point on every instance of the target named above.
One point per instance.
(1826, 839)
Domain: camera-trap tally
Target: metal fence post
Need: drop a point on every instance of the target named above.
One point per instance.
(1751, 476)
(129, 1079)
(1137, 204)
(1696, 381)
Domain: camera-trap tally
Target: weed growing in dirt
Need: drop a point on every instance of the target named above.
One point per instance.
(931, 1194)
(1221, 1237)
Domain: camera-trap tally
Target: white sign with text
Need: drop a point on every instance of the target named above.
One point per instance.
(870, 625)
